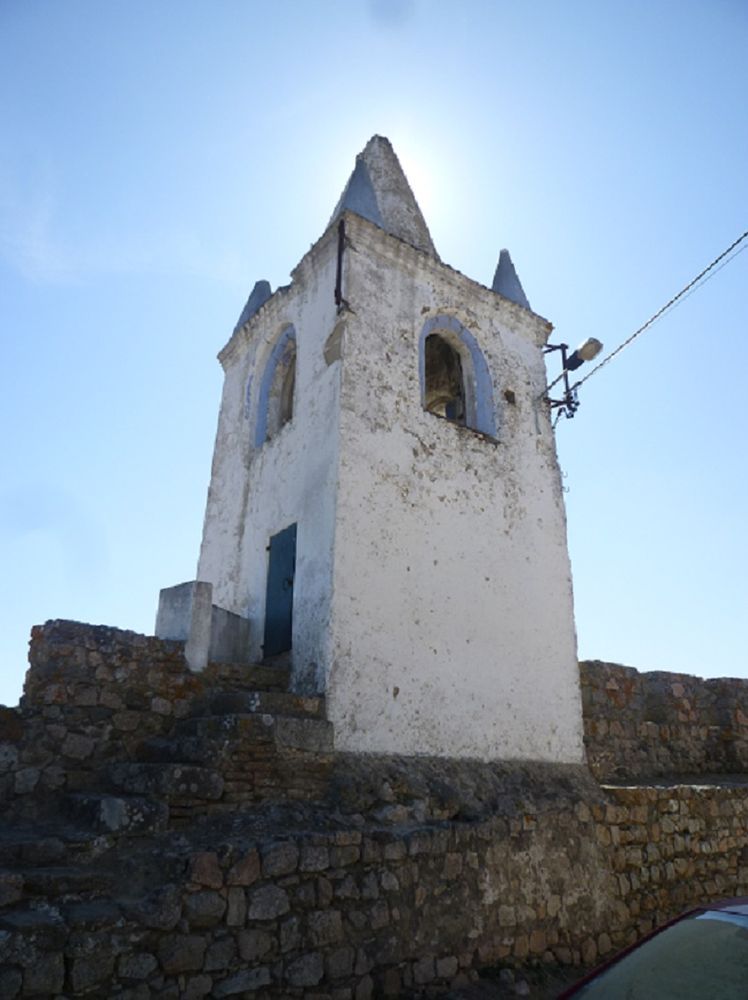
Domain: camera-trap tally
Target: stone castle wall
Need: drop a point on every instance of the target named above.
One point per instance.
(640, 726)
(376, 911)
(397, 874)
(94, 696)
(91, 693)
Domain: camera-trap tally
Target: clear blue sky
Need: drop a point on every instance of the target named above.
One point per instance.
(158, 158)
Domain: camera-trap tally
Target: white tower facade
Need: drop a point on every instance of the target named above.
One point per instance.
(385, 504)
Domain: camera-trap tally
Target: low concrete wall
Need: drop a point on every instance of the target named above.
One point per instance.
(210, 634)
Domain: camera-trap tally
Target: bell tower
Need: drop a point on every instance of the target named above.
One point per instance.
(385, 505)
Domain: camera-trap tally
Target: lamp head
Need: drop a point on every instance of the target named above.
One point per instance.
(585, 352)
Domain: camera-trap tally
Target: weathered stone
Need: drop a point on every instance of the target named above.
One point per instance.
(423, 971)
(395, 851)
(452, 865)
(44, 851)
(10, 983)
(390, 983)
(395, 815)
(169, 992)
(181, 953)
(446, 968)
(365, 989)
(8, 755)
(205, 870)
(521, 946)
(306, 895)
(281, 859)
(325, 927)
(268, 902)
(379, 915)
(347, 888)
(11, 888)
(254, 944)
(126, 721)
(290, 934)
(314, 858)
(247, 981)
(139, 992)
(44, 975)
(369, 886)
(91, 971)
(246, 871)
(589, 951)
(324, 892)
(389, 881)
(204, 908)
(363, 963)
(197, 987)
(340, 963)
(78, 747)
(137, 966)
(220, 954)
(307, 970)
(111, 700)
(26, 780)
(236, 912)
(160, 911)
(341, 857)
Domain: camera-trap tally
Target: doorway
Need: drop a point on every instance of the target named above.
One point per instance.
(279, 594)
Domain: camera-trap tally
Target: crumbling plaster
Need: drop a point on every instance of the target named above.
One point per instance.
(258, 489)
(432, 598)
(452, 610)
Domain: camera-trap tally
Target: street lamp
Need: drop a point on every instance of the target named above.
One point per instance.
(590, 349)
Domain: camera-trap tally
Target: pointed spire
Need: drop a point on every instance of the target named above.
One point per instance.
(379, 191)
(506, 282)
(258, 297)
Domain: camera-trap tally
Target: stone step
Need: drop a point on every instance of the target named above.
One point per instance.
(170, 780)
(57, 882)
(50, 951)
(248, 676)
(281, 731)
(193, 750)
(116, 814)
(23, 847)
(265, 702)
(208, 740)
(46, 924)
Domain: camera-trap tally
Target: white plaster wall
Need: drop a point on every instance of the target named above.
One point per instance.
(452, 629)
(256, 492)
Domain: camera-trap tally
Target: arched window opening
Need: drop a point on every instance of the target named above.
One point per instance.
(455, 380)
(285, 402)
(277, 388)
(444, 387)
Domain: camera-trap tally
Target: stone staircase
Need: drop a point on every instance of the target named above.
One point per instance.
(239, 746)
(77, 871)
(50, 886)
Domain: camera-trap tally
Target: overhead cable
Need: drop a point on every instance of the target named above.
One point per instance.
(690, 287)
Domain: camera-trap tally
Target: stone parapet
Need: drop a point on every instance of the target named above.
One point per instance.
(644, 725)
(295, 902)
(178, 835)
(95, 696)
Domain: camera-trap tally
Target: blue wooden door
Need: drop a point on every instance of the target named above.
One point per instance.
(279, 596)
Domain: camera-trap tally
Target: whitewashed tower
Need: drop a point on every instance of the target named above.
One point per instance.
(385, 498)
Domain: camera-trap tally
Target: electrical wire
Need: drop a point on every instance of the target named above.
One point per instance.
(700, 278)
